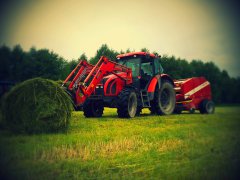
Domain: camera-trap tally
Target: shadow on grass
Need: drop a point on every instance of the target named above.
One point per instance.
(107, 117)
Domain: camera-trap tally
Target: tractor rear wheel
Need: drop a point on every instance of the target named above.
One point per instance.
(164, 100)
(207, 107)
(177, 111)
(127, 104)
(139, 110)
(93, 108)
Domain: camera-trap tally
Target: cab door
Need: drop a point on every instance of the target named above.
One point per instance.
(146, 72)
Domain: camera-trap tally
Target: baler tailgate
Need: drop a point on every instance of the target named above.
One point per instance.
(191, 92)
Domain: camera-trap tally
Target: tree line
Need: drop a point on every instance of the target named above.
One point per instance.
(17, 65)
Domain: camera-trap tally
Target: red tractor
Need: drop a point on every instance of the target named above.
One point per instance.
(132, 83)
(193, 94)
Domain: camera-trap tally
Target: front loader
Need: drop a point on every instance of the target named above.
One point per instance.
(132, 83)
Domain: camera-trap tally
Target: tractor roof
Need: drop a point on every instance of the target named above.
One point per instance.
(136, 53)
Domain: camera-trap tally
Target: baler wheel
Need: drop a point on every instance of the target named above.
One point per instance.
(207, 107)
(127, 104)
(93, 108)
(192, 111)
(164, 100)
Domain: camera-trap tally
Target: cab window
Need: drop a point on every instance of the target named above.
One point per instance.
(158, 68)
(147, 69)
(133, 63)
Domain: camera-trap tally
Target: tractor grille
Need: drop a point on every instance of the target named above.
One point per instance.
(114, 86)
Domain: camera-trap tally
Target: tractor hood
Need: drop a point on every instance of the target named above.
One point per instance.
(113, 76)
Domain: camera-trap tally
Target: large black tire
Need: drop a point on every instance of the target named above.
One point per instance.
(93, 108)
(164, 100)
(207, 107)
(127, 104)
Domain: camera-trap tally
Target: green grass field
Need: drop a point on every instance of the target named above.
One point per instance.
(186, 146)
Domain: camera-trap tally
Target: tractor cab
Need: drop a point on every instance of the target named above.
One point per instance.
(144, 67)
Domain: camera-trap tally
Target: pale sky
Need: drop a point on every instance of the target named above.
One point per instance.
(190, 29)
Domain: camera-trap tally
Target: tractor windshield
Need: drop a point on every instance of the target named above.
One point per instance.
(133, 63)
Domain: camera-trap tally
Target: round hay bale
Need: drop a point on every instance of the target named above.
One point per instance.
(36, 106)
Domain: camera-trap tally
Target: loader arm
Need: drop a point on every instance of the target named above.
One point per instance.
(82, 69)
(89, 76)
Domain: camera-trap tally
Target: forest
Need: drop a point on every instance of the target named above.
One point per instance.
(18, 65)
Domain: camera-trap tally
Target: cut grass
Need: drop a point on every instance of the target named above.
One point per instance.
(192, 146)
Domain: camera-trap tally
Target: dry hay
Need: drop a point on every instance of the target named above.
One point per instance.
(36, 106)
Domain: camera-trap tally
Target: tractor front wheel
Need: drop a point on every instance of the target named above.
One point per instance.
(127, 104)
(93, 108)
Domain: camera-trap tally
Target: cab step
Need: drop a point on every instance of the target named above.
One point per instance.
(145, 99)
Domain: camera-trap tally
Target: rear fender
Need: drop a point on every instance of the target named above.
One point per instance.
(155, 84)
(155, 81)
(166, 77)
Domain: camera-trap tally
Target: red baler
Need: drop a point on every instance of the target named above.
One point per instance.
(193, 94)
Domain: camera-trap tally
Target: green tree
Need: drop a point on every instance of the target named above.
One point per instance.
(68, 67)
(198, 68)
(128, 50)
(5, 55)
(145, 50)
(17, 64)
(104, 50)
(83, 57)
